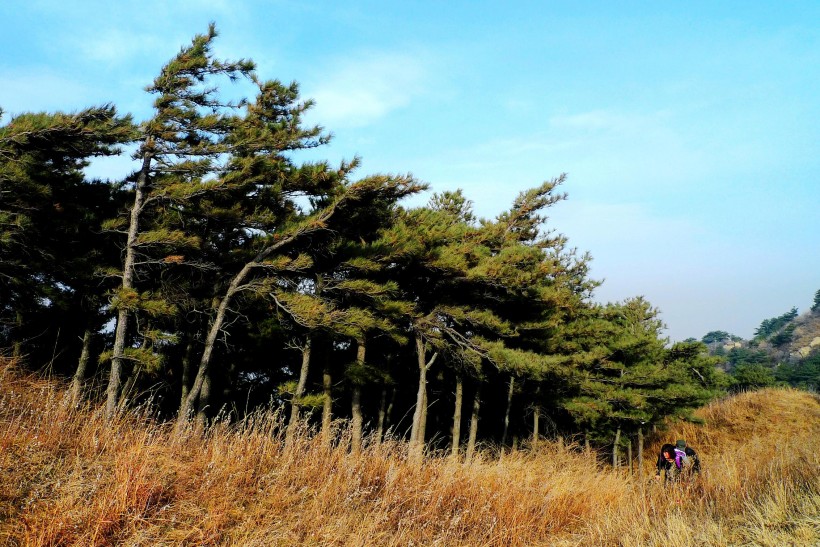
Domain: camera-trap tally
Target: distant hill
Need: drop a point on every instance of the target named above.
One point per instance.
(806, 336)
(785, 349)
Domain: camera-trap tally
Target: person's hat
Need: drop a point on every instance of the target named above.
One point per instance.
(680, 444)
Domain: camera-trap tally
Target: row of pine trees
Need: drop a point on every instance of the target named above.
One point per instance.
(224, 275)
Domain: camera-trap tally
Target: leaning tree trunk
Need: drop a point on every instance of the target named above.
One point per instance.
(615, 448)
(356, 405)
(298, 393)
(457, 417)
(78, 382)
(129, 385)
(204, 400)
(203, 371)
(473, 424)
(128, 267)
(507, 411)
(235, 286)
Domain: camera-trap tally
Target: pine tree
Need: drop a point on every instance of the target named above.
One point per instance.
(50, 251)
(181, 149)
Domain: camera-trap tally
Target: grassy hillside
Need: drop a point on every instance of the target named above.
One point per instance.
(67, 478)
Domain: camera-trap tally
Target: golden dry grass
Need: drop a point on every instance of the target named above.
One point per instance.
(68, 478)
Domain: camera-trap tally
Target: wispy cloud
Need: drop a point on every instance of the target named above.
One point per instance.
(114, 45)
(358, 91)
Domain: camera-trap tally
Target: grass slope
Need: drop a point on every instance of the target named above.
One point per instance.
(67, 478)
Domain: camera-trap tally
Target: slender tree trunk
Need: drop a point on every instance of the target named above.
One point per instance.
(186, 370)
(382, 414)
(629, 454)
(536, 418)
(420, 414)
(356, 406)
(327, 401)
(299, 392)
(17, 345)
(507, 411)
(423, 422)
(587, 448)
(615, 459)
(80, 374)
(356, 420)
(120, 334)
(204, 400)
(640, 452)
(128, 385)
(388, 417)
(210, 341)
(473, 424)
(457, 417)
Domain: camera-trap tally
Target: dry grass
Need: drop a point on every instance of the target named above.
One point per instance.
(67, 478)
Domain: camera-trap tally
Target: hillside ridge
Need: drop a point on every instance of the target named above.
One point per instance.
(69, 478)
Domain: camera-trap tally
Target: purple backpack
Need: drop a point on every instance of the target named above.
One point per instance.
(681, 459)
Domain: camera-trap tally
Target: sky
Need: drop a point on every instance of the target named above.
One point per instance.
(688, 130)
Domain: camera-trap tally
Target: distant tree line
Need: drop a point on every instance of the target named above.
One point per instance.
(768, 358)
(224, 275)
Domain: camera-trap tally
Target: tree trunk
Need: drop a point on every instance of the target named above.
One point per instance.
(293, 422)
(317, 223)
(457, 417)
(382, 414)
(420, 413)
(640, 452)
(327, 401)
(423, 422)
(615, 448)
(186, 370)
(356, 406)
(204, 400)
(473, 424)
(128, 386)
(213, 332)
(82, 369)
(17, 345)
(356, 420)
(629, 455)
(120, 334)
(507, 411)
(388, 415)
(536, 418)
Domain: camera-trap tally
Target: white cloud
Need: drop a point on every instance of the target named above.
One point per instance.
(357, 92)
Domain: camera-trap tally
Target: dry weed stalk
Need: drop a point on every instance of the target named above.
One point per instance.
(69, 478)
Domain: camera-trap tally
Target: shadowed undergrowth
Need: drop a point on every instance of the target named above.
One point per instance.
(68, 478)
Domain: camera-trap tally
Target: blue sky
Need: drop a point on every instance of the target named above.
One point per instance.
(688, 130)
